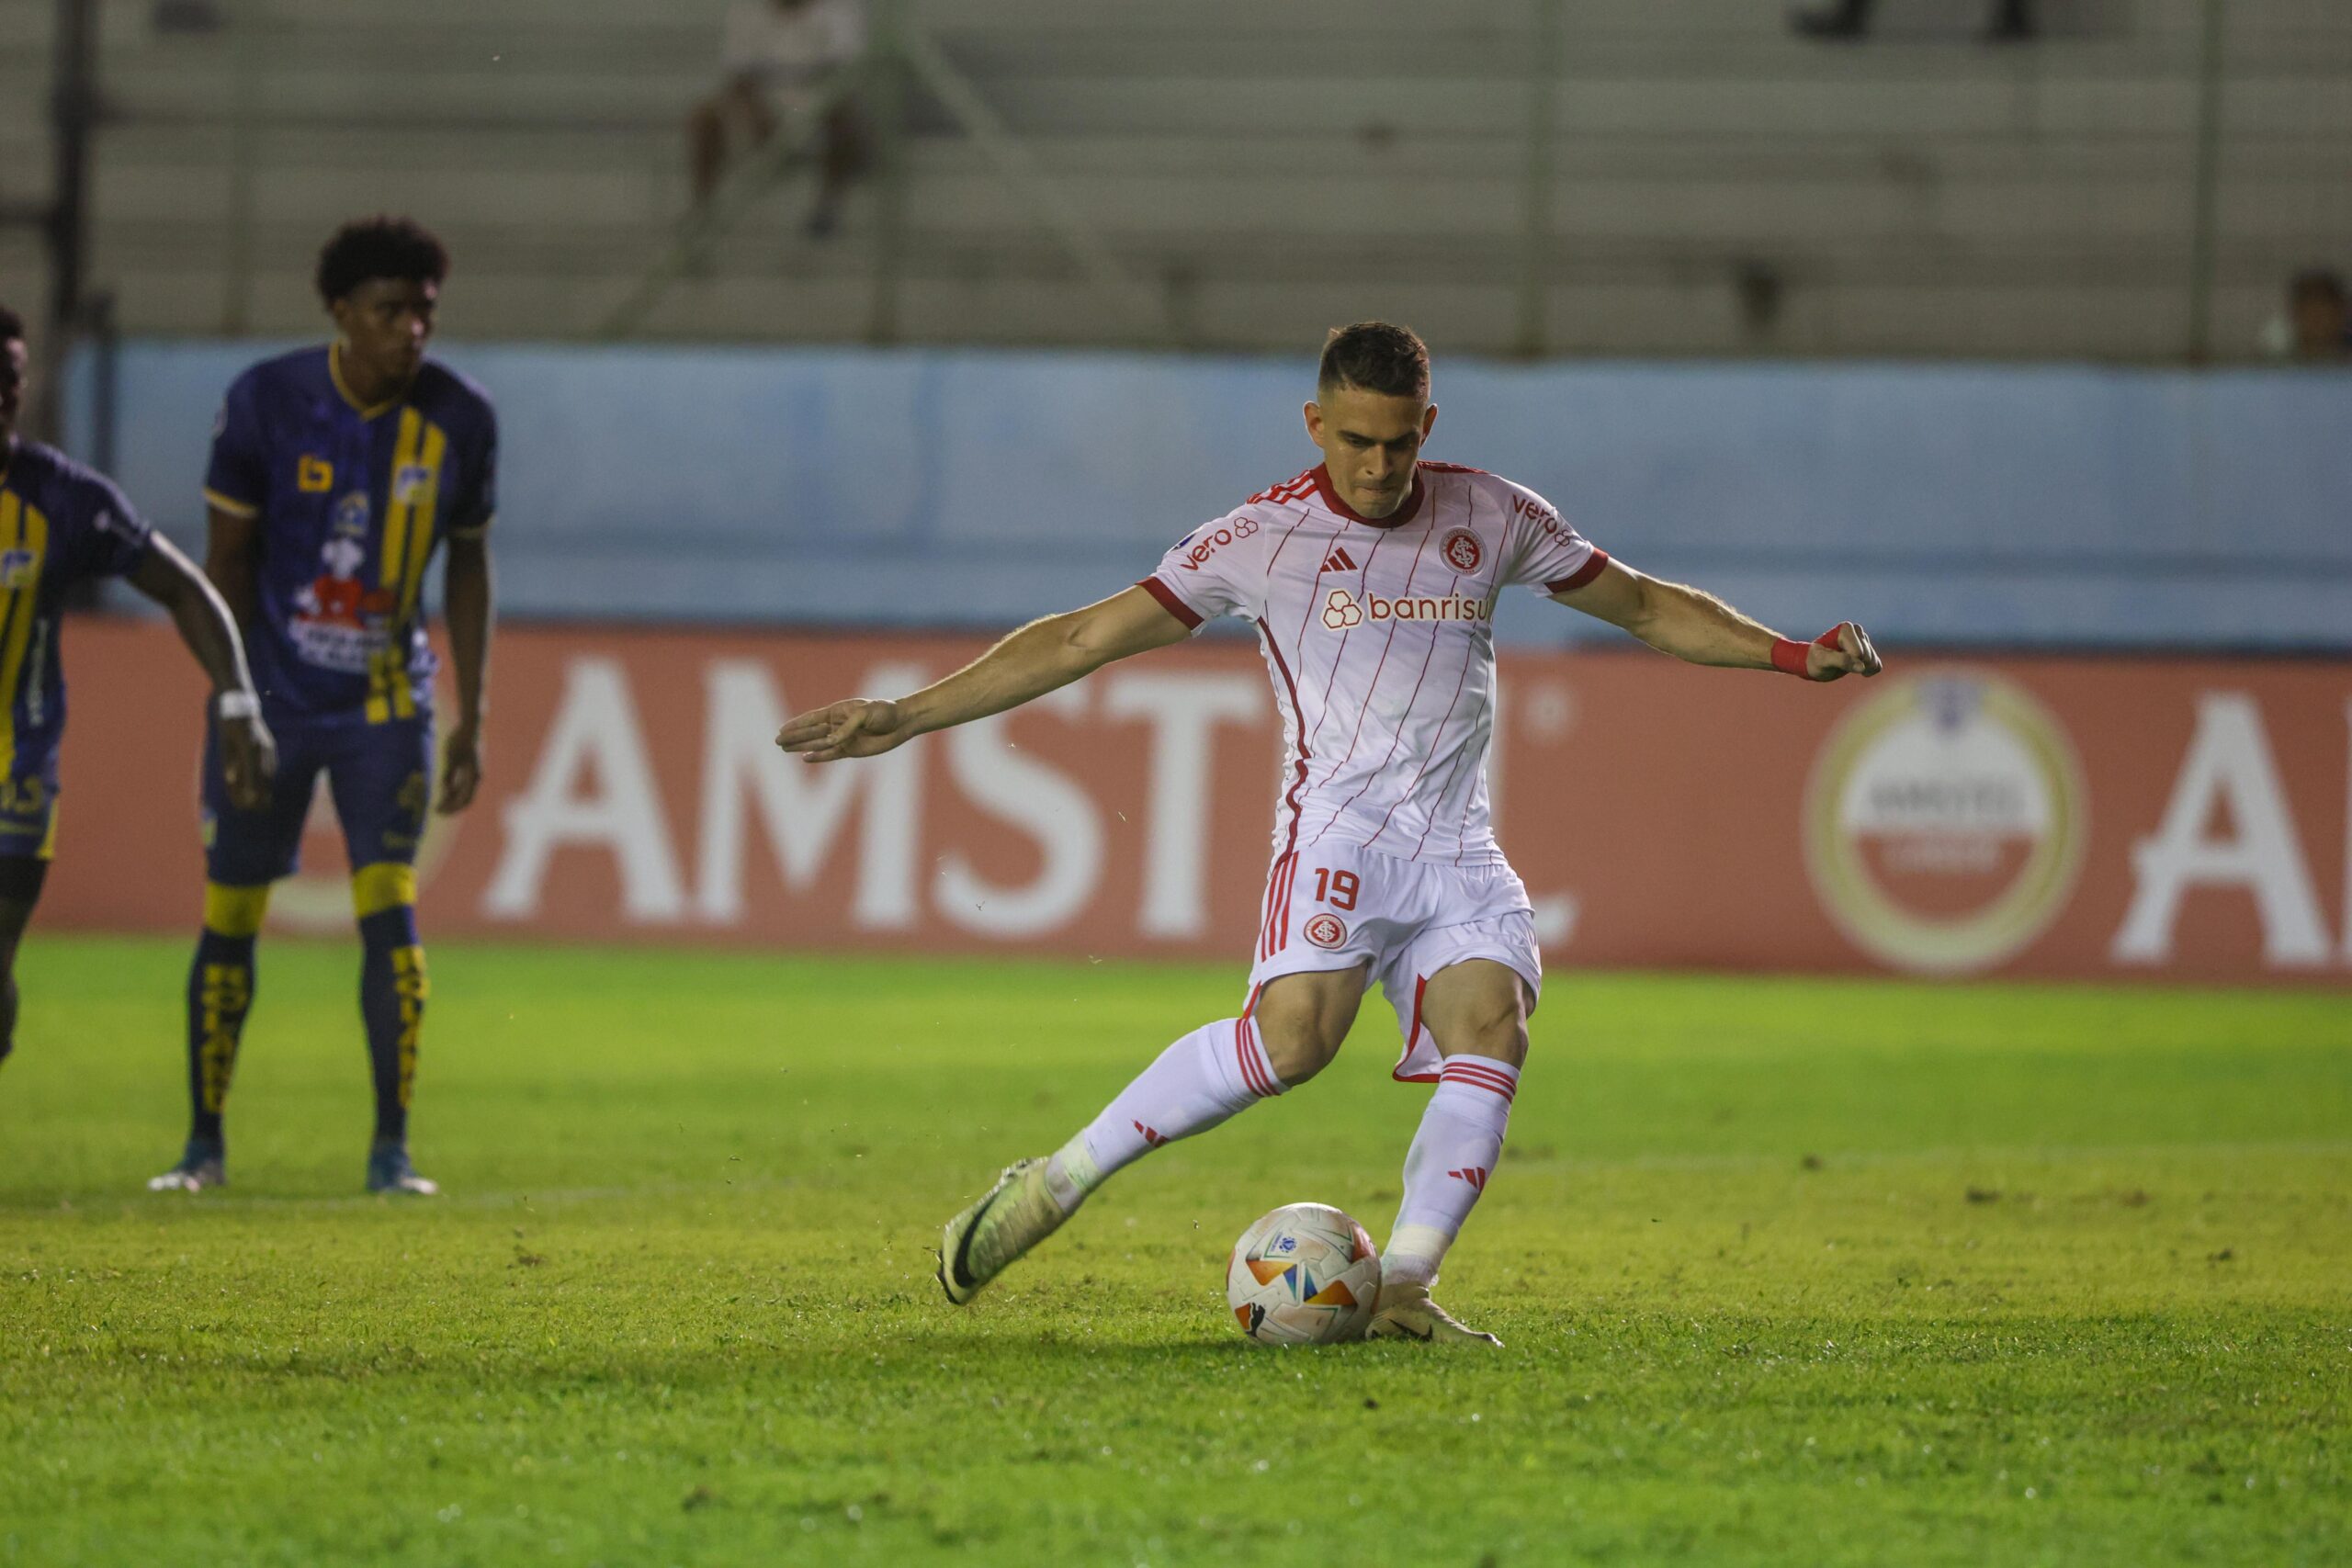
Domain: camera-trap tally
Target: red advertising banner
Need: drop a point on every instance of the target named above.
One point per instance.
(2050, 816)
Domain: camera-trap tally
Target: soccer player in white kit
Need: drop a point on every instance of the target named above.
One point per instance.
(1370, 581)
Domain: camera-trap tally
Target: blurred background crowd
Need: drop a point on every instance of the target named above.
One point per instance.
(2113, 180)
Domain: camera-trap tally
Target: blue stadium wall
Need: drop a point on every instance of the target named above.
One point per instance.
(1961, 506)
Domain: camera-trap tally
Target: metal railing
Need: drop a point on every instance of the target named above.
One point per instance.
(2193, 101)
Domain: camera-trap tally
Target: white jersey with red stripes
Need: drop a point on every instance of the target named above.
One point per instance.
(1379, 636)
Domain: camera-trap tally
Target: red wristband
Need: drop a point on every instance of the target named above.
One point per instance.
(1790, 658)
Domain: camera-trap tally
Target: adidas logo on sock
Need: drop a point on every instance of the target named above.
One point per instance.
(1339, 560)
(1474, 1175)
(1155, 1140)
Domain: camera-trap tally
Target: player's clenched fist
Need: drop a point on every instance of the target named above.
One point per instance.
(858, 727)
(1844, 650)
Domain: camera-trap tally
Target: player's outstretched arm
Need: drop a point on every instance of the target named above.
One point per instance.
(248, 755)
(1695, 625)
(1043, 656)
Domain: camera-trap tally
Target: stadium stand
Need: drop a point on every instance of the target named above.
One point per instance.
(1717, 184)
(24, 138)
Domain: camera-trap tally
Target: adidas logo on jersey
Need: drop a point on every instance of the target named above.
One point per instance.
(1474, 1175)
(1339, 560)
(1343, 610)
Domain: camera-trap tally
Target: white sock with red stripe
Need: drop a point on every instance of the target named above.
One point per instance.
(1461, 1139)
(1214, 1071)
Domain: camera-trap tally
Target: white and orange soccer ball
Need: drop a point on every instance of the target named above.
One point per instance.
(1307, 1274)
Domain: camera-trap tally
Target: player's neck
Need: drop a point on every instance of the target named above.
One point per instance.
(1404, 512)
(369, 388)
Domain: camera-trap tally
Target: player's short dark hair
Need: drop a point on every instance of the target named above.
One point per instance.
(2317, 282)
(381, 246)
(1375, 356)
(12, 325)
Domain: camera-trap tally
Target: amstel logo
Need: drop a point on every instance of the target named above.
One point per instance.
(1944, 823)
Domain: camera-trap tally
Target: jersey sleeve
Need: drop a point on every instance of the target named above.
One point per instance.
(478, 496)
(1546, 552)
(237, 478)
(111, 536)
(1211, 572)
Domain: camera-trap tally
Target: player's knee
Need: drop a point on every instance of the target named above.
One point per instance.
(1301, 1031)
(15, 914)
(233, 911)
(1298, 1048)
(1479, 1009)
(1496, 1030)
(20, 884)
(1302, 1019)
(380, 889)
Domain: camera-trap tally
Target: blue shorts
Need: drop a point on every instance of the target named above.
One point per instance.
(27, 817)
(379, 775)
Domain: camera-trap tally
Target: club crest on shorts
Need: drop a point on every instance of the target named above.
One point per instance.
(1462, 550)
(1327, 930)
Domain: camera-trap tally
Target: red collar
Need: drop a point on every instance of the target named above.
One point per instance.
(1396, 519)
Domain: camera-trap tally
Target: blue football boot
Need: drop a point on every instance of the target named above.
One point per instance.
(390, 1171)
(203, 1164)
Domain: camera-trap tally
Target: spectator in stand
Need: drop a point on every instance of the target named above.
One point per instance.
(787, 59)
(2319, 324)
(2008, 21)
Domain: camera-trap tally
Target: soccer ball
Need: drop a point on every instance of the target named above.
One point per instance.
(1305, 1274)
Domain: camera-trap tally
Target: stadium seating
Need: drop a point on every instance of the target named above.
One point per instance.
(1719, 187)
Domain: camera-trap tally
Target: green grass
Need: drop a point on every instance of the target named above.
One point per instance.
(1790, 1272)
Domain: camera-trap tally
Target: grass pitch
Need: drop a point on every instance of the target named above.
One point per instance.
(1789, 1273)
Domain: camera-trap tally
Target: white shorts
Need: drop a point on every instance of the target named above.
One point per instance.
(1336, 906)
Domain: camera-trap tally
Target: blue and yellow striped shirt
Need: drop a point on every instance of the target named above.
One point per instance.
(59, 523)
(352, 503)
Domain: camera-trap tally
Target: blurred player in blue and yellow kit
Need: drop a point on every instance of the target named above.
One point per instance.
(62, 525)
(336, 473)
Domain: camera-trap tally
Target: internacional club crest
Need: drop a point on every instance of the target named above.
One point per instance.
(1462, 551)
(1327, 930)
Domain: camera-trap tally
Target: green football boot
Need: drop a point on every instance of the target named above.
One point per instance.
(1405, 1312)
(1016, 1214)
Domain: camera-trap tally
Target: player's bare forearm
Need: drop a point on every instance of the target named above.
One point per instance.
(205, 624)
(231, 542)
(1699, 628)
(248, 751)
(469, 594)
(1041, 657)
